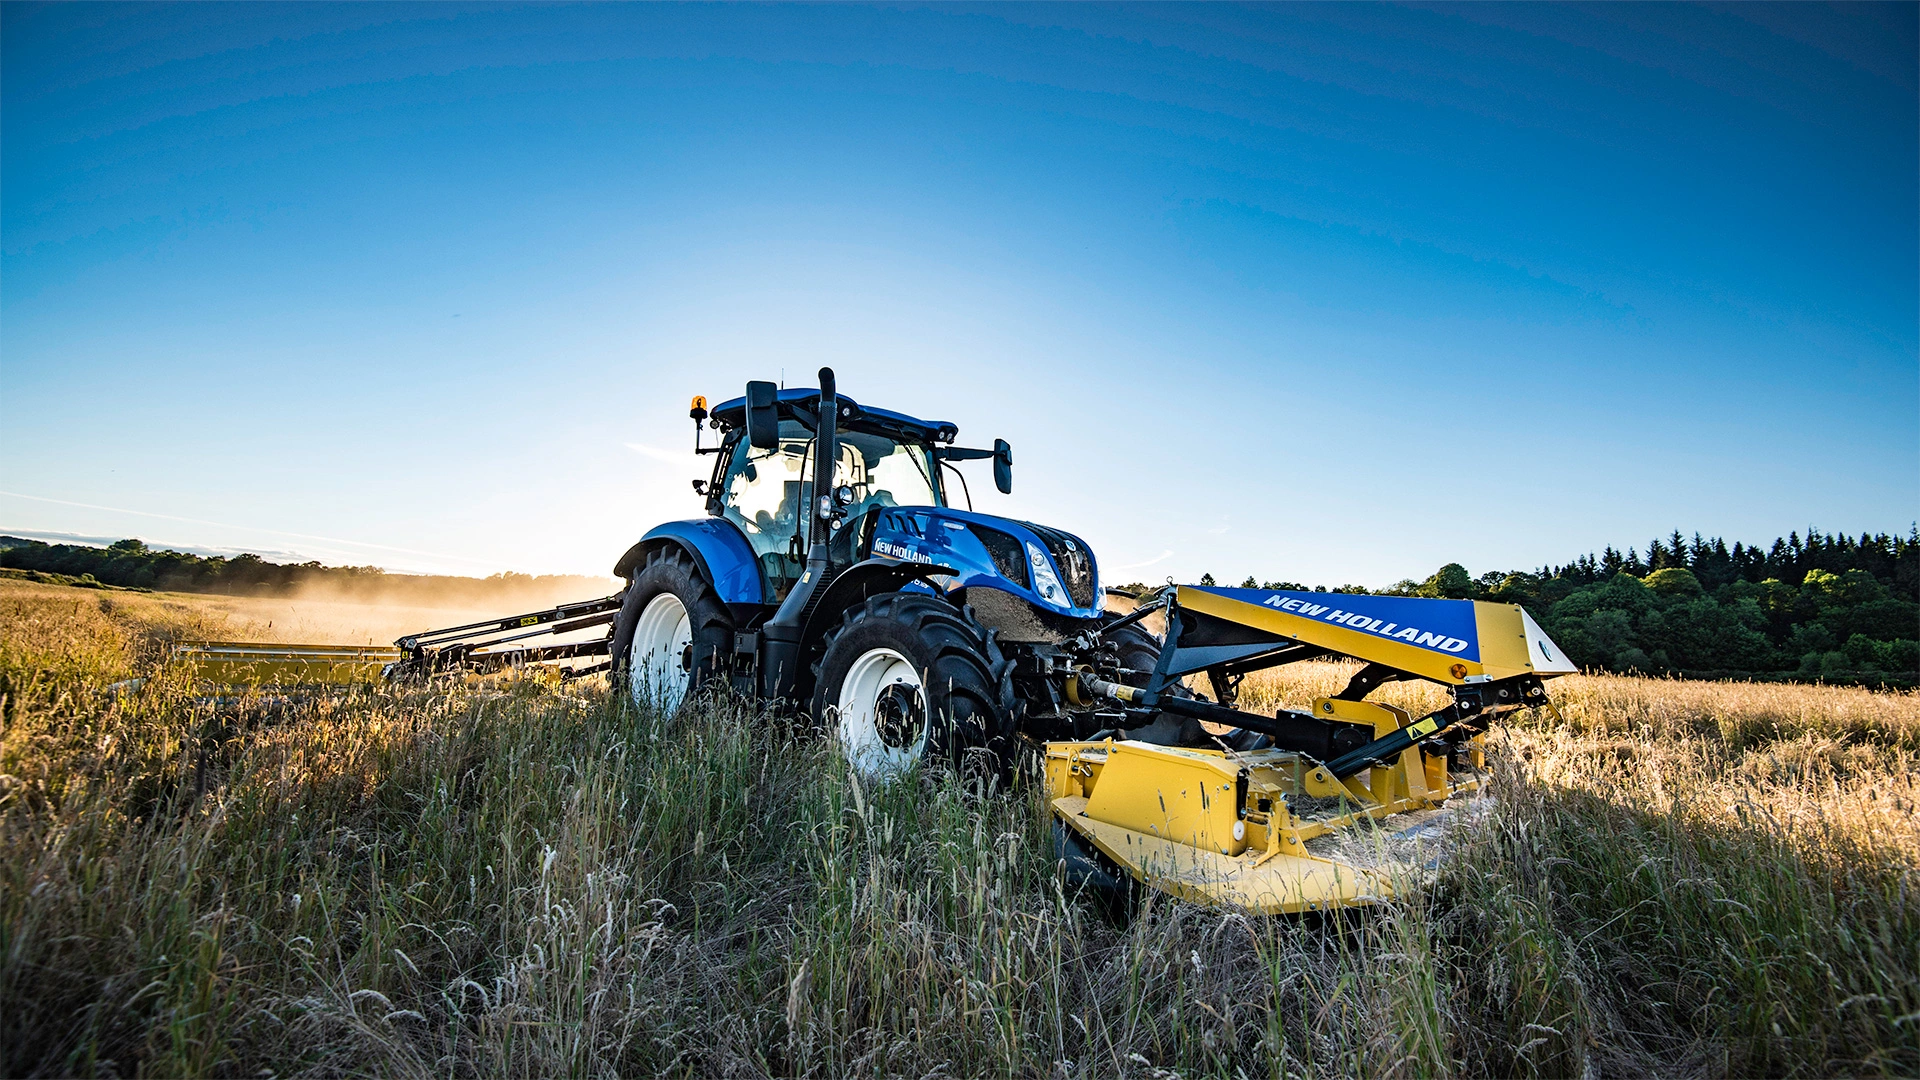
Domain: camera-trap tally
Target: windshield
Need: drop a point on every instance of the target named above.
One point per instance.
(882, 472)
(763, 491)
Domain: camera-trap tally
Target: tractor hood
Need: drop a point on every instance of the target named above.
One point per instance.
(1052, 570)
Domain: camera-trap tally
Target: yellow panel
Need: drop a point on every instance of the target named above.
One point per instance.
(1384, 719)
(1501, 629)
(1503, 640)
(1381, 783)
(1181, 795)
(1272, 885)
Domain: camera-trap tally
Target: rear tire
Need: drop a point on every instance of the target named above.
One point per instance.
(908, 678)
(673, 636)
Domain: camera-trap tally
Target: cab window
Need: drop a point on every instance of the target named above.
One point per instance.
(765, 492)
(761, 492)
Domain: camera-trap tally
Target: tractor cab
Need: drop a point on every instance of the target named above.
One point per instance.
(881, 459)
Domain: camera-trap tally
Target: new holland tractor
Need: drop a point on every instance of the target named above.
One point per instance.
(832, 572)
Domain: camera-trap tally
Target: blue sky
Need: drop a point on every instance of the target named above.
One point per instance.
(1320, 293)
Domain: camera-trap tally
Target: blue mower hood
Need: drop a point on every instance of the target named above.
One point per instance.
(1449, 641)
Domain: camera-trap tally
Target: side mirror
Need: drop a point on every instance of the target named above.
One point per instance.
(1003, 466)
(763, 416)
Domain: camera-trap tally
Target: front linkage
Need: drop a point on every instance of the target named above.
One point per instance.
(1197, 642)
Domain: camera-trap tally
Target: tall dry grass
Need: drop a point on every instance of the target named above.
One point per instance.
(515, 876)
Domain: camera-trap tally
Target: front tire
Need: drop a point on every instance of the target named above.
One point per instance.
(1085, 868)
(673, 635)
(1138, 651)
(908, 678)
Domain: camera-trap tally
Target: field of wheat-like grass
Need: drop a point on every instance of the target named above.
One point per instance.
(515, 876)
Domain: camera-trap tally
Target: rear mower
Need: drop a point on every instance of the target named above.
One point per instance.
(833, 572)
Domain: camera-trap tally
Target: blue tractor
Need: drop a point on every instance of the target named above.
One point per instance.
(833, 570)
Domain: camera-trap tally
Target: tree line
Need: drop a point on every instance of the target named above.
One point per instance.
(132, 564)
(1822, 606)
(1826, 607)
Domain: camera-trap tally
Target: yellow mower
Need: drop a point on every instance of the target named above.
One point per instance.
(1253, 817)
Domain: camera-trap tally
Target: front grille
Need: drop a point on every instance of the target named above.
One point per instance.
(1006, 553)
(1073, 559)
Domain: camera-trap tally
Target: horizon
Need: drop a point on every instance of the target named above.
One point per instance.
(1332, 294)
(1629, 553)
(280, 558)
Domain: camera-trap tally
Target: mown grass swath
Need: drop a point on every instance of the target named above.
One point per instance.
(512, 876)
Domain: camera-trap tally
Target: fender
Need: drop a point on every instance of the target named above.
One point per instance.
(854, 585)
(721, 553)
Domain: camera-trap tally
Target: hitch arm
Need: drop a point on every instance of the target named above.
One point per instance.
(1319, 738)
(1299, 732)
(1472, 708)
(1384, 749)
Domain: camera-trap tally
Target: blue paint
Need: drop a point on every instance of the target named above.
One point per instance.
(730, 564)
(1443, 626)
(944, 536)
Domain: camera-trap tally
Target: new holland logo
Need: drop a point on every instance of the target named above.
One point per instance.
(900, 551)
(1356, 621)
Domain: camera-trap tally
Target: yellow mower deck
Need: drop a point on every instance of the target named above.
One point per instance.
(1238, 828)
(1168, 815)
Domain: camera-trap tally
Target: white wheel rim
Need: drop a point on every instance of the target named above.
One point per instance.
(878, 684)
(660, 640)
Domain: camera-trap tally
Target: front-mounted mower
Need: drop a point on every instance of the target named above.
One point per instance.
(832, 572)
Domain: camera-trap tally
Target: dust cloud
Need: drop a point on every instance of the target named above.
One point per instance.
(377, 611)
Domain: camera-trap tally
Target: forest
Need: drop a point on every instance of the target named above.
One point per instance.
(132, 564)
(1820, 607)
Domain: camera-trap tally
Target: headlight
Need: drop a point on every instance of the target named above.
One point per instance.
(1045, 581)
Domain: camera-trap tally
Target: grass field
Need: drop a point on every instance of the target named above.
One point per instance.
(512, 876)
(312, 616)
